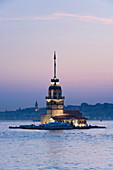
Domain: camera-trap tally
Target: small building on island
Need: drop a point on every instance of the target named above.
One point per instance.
(55, 106)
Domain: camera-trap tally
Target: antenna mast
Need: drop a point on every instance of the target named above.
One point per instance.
(54, 64)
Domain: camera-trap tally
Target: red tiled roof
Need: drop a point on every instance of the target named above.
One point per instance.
(72, 112)
(68, 117)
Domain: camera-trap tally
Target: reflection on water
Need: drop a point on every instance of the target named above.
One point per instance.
(68, 149)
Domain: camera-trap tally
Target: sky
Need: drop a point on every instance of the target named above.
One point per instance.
(81, 33)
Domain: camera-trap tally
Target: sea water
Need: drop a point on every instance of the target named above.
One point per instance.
(85, 149)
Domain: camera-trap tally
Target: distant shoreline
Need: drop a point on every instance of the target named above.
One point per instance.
(92, 112)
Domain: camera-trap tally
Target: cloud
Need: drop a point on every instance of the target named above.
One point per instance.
(85, 18)
(57, 16)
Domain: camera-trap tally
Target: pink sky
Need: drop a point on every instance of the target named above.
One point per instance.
(82, 35)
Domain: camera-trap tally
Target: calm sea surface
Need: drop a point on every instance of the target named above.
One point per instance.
(61, 150)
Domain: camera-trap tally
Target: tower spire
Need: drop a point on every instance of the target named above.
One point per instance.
(54, 64)
(55, 80)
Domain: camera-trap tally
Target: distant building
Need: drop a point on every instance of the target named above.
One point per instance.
(36, 106)
(55, 105)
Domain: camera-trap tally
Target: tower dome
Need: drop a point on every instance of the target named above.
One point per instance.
(55, 91)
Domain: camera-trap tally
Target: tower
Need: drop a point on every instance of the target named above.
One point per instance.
(55, 105)
(54, 100)
(36, 106)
